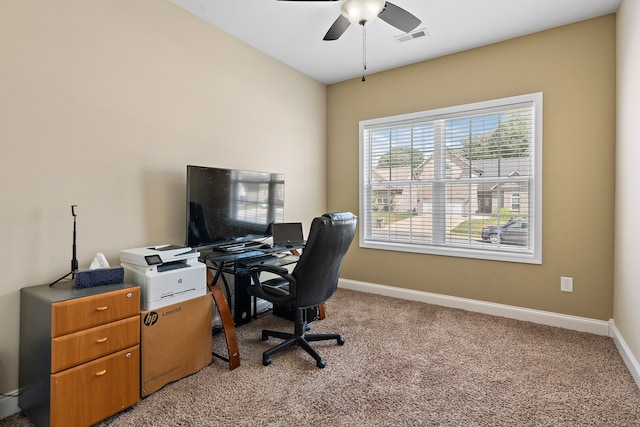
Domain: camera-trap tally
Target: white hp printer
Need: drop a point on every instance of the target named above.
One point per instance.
(166, 274)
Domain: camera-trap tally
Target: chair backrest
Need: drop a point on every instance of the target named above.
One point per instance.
(318, 268)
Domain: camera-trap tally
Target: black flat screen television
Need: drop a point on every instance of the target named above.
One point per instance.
(227, 206)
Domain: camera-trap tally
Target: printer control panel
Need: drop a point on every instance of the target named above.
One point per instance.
(153, 259)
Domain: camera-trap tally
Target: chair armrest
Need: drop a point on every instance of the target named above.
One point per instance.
(275, 269)
(273, 291)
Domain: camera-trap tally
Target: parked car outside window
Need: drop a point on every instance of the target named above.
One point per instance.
(515, 232)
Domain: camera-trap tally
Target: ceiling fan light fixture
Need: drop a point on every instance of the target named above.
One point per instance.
(360, 12)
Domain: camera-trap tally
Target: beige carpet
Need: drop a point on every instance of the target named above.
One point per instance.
(403, 364)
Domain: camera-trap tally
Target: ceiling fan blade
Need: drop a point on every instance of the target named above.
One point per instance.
(398, 17)
(337, 29)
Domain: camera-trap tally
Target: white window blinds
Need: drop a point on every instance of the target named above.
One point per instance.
(461, 181)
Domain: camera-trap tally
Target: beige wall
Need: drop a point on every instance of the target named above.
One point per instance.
(103, 103)
(574, 66)
(627, 261)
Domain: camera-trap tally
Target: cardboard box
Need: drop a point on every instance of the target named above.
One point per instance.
(175, 341)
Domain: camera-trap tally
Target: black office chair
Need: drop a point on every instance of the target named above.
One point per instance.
(312, 282)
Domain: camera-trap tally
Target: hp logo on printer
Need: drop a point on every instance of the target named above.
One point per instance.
(150, 318)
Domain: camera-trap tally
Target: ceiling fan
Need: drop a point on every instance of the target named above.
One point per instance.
(360, 12)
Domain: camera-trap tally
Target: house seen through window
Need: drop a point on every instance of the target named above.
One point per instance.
(460, 181)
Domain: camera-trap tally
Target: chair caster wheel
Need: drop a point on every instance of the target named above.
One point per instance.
(321, 363)
(340, 340)
(266, 361)
(265, 337)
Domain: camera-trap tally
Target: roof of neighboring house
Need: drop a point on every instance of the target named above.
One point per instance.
(504, 167)
(399, 174)
(457, 159)
(486, 168)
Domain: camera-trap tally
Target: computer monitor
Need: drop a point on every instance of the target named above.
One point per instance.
(231, 205)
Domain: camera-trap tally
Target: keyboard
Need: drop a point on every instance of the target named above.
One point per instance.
(270, 260)
(260, 260)
(252, 255)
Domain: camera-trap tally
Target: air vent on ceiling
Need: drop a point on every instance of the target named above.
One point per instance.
(415, 34)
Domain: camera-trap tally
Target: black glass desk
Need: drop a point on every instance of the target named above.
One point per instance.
(238, 264)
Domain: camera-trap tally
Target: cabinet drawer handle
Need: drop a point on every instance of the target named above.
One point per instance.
(103, 308)
(101, 373)
(101, 340)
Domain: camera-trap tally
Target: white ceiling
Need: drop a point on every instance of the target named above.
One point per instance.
(292, 31)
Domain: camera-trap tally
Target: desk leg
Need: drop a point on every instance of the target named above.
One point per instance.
(227, 322)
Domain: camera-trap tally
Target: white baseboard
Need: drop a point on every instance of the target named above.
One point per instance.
(9, 404)
(576, 323)
(625, 352)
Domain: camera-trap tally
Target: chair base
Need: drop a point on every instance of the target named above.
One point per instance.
(299, 339)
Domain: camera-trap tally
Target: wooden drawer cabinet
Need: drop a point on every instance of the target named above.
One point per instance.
(79, 353)
(79, 314)
(82, 346)
(105, 381)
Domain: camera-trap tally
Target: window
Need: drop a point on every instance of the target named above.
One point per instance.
(515, 203)
(461, 181)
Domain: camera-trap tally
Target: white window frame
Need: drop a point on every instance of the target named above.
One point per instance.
(532, 254)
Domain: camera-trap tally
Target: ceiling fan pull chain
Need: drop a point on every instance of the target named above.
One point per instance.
(364, 50)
